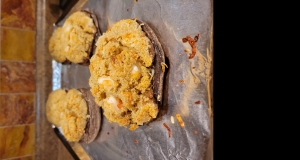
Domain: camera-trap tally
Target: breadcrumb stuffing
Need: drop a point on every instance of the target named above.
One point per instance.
(73, 121)
(120, 80)
(54, 108)
(73, 40)
(69, 111)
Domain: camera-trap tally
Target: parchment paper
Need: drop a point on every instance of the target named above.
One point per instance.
(171, 20)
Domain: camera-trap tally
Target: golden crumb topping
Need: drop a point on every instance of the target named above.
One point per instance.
(73, 121)
(54, 108)
(120, 75)
(74, 39)
(69, 111)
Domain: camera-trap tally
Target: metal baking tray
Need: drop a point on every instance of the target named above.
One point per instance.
(187, 81)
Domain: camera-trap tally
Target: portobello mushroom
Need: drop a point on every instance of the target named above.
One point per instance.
(74, 41)
(94, 121)
(127, 72)
(75, 112)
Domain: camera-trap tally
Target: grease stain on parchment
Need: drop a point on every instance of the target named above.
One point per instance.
(201, 66)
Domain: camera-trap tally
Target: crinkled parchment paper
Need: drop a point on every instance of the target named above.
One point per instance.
(171, 20)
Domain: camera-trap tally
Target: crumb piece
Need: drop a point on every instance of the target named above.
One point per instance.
(181, 81)
(192, 43)
(163, 65)
(181, 123)
(172, 119)
(168, 128)
(198, 102)
(158, 97)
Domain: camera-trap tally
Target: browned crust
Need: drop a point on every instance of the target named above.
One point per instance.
(94, 121)
(98, 33)
(157, 52)
(96, 22)
(66, 62)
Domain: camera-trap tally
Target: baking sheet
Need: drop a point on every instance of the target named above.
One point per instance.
(171, 20)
